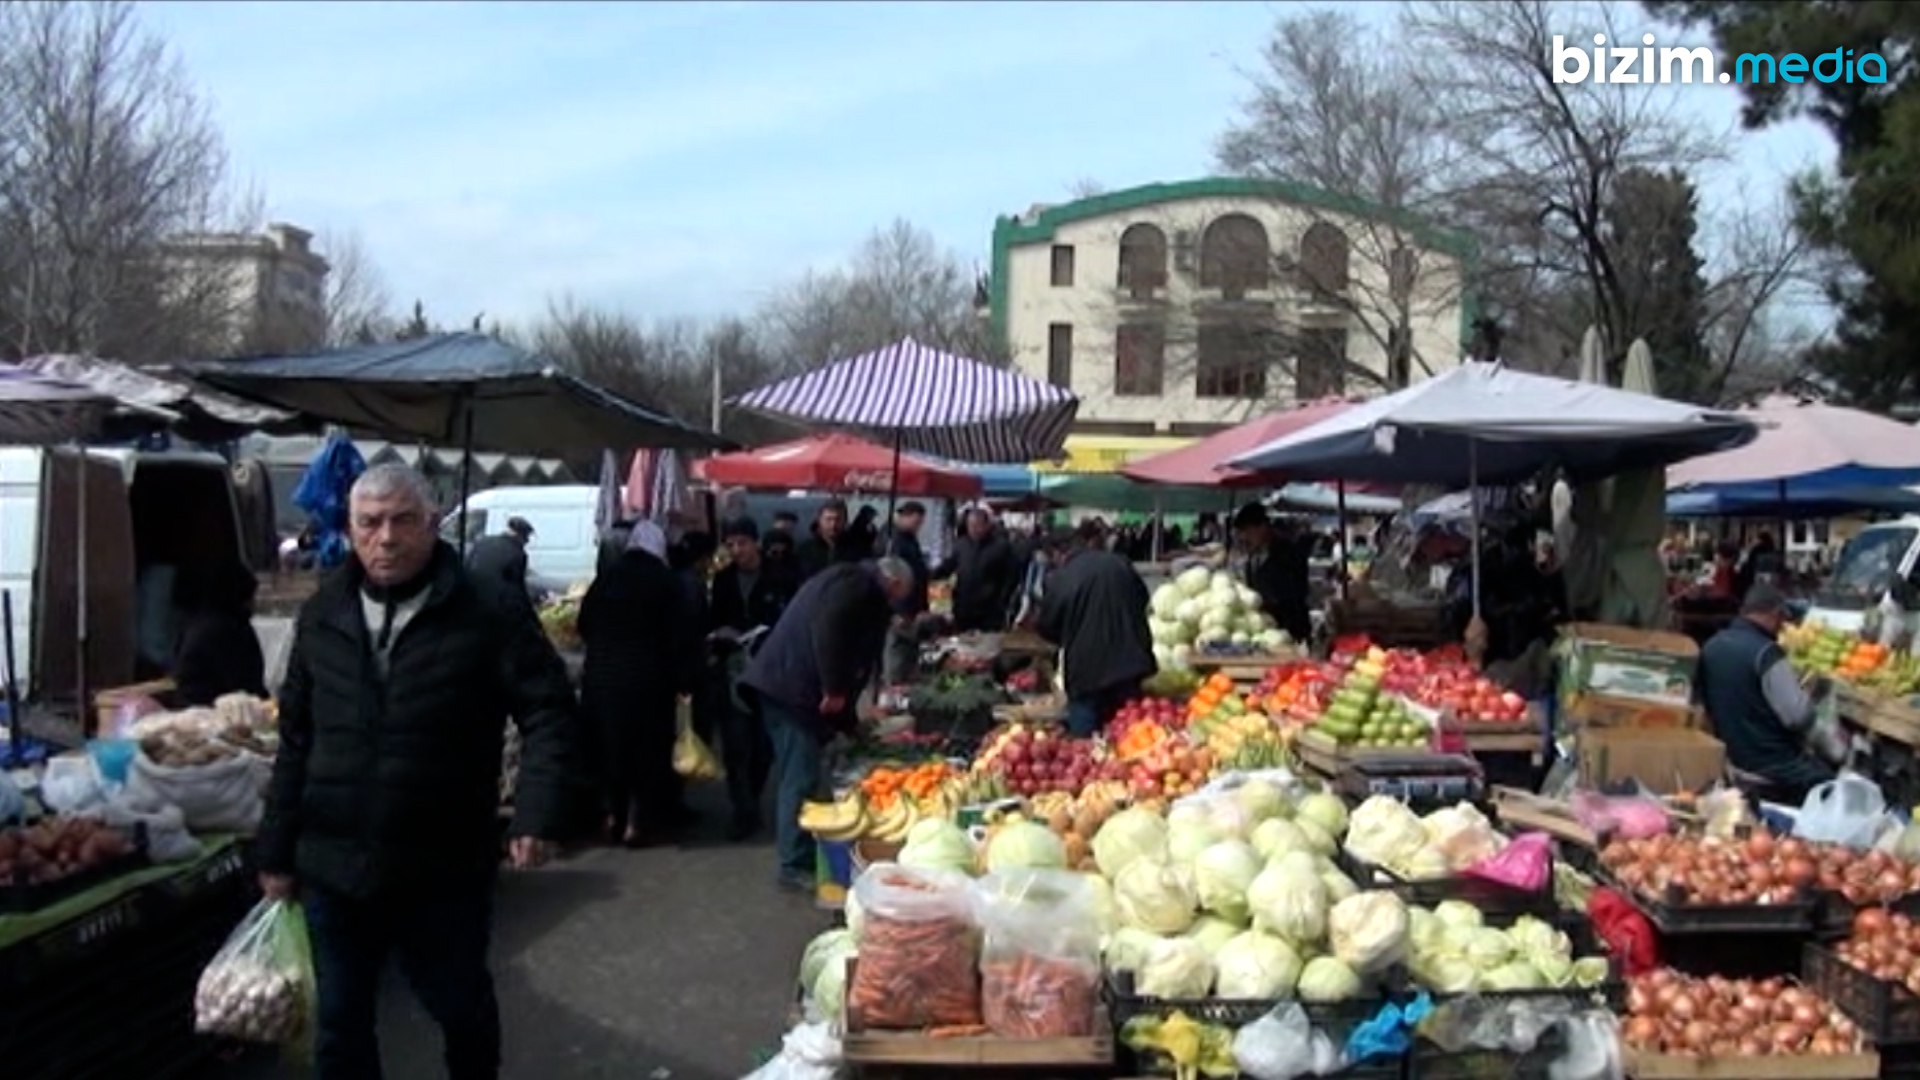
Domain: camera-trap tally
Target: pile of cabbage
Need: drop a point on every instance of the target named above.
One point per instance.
(1450, 950)
(1199, 609)
(1387, 834)
(1235, 895)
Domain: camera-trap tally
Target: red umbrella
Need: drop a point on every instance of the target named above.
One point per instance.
(835, 462)
(1199, 463)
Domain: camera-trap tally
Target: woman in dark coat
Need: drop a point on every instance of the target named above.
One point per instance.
(217, 652)
(642, 639)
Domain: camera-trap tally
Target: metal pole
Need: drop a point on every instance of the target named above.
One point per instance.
(893, 482)
(15, 749)
(1473, 516)
(716, 393)
(1340, 563)
(80, 587)
(466, 472)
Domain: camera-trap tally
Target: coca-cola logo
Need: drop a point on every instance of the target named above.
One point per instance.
(872, 480)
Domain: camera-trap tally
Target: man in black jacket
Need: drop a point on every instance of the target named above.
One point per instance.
(1277, 569)
(806, 676)
(903, 638)
(829, 543)
(502, 557)
(383, 805)
(986, 572)
(1095, 609)
(748, 594)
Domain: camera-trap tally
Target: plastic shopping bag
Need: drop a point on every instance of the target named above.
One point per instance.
(1525, 864)
(692, 757)
(1845, 810)
(259, 986)
(1040, 954)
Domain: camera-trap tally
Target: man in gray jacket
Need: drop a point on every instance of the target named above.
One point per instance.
(1757, 704)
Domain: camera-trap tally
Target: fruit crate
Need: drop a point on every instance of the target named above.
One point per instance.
(1124, 1003)
(1495, 901)
(1887, 1012)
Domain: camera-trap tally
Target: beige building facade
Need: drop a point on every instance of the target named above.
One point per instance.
(1178, 309)
(273, 284)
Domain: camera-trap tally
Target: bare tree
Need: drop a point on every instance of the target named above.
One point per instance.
(1086, 188)
(106, 152)
(899, 284)
(358, 304)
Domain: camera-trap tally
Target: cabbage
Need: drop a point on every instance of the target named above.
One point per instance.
(1447, 974)
(1240, 637)
(1175, 968)
(1462, 834)
(1339, 886)
(1189, 612)
(1207, 638)
(1187, 839)
(1319, 840)
(1457, 913)
(937, 844)
(1216, 621)
(1423, 930)
(1105, 915)
(1325, 810)
(1164, 632)
(1427, 864)
(829, 989)
(1384, 832)
(1221, 875)
(1555, 971)
(1272, 640)
(1518, 975)
(1162, 657)
(1131, 834)
(1326, 979)
(1213, 932)
(1368, 931)
(1247, 597)
(1486, 948)
(820, 950)
(1590, 971)
(1193, 581)
(1222, 580)
(856, 915)
(1254, 965)
(1290, 903)
(1025, 844)
(1127, 950)
(1277, 836)
(1228, 818)
(1260, 800)
(1154, 896)
(1166, 599)
(1299, 862)
(1535, 940)
(1182, 657)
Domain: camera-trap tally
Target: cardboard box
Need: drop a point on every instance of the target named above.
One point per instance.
(1605, 710)
(1621, 662)
(1665, 760)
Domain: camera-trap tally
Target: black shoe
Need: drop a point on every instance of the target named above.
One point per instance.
(799, 883)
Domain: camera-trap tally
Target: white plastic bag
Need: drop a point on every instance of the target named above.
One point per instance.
(221, 796)
(167, 837)
(1845, 810)
(808, 1052)
(1283, 1045)
(72, 783)
(1593, 1049)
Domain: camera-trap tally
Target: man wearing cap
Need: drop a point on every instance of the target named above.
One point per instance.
(502, 557)
(1095, 609)
(1757, 704)
(1276, 569)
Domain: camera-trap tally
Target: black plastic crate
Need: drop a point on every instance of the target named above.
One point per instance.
(1833, 918)
(1337, 1020)
(1495, 901)
(1611, 993)
(1673, 915)
(1886, 1012)
(1429, 1062)
(20, 895)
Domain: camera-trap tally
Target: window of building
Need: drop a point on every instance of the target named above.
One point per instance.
(1323, 258)
(1235, 256)
(1060, 355)
(1143, 260)
(1139, 359)
(1232, 362)
(1062, 265)
(1320, 369)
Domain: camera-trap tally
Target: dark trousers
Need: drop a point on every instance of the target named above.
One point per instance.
(746, 752)
(1089, 713)
(798, 759)
(439, 937)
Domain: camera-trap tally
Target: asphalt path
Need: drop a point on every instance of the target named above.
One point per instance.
(667, 963)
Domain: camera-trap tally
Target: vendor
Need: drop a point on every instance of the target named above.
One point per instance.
(1757, 705)
(1095, 609)
(1277, 569)
(985, 572)
(218, 652)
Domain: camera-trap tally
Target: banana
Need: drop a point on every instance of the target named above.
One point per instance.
(852, 830)
(892, 826)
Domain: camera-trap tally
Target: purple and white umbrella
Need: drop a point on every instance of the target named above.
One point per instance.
(921, 399)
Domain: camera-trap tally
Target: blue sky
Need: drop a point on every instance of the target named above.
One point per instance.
(689, 159)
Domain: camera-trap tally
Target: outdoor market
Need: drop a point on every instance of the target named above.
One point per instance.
(1482, 788)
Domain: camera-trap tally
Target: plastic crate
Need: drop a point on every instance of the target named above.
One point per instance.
(1886, 1012)
(1338, 1021)
(1673, 916)
(1495, 901)
(1428, 1062)
(1611, 993)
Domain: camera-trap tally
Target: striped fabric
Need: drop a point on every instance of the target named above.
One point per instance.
(933, 401)
(38, 411)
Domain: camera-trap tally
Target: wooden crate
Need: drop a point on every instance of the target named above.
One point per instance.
(1645, 1066)
(1321, 753)
(1537, 812)
(919, 1051)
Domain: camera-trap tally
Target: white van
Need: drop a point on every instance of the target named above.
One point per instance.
(1874, 561)
(565, 547)
(148, 514)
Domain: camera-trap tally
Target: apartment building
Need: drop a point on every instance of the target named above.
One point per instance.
(271, 284)
(1174, 310)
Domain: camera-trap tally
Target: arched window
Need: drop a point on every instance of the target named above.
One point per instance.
(1234, 256)
(1143, 260)
(1323, 259)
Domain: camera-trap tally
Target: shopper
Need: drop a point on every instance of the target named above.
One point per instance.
(807, 676)
(829, 543)
(1757, 704)
(1277, 569)
(218, 652)
(986, 574)
(1095, 609)
(902, 657)
(749, 594)
(502, 557)
(643, 638)
(382, 811)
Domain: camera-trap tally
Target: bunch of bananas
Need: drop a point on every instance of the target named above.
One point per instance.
(851, 817)
(1898, 676)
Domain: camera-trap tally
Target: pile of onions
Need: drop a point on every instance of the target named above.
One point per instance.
(1864, 877)
(1885, 946)
(1710, 870)
(1671, 1013)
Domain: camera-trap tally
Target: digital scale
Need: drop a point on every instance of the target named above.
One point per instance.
(1413, 777)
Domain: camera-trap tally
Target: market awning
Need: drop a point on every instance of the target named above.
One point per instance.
(203, 414)
(836, 462)
(1108, 453)
(1204, 462)
(1810, 447)
(36, 410)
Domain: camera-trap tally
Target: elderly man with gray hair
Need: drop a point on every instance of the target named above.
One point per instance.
(382, 813)
(1758, 705)
(807, 674)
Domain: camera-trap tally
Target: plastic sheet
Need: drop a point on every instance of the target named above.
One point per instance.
(808, 1052)
(1526, 864)
(1629, 937)
(1628, 817)
(1283, 1045)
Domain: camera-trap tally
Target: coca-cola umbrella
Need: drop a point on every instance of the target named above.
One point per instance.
(836, 462)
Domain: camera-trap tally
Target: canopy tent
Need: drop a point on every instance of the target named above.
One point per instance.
(199, 413)
(1483, 423)
(1764, 501)
(1085, 453)
(1004, 481)
(1112, 491)
(837, 462)
(1204, 463)
(1810, 447)
(919, 398)
(1325, 499)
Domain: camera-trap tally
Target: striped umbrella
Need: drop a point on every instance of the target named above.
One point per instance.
(919, 398)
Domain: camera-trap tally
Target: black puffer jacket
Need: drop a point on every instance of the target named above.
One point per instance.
(386, 783)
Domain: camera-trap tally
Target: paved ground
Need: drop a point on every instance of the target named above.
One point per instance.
(672, 962)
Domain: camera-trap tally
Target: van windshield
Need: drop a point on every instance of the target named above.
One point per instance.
(1869, 565)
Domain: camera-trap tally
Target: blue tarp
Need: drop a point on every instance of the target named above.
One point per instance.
(1801, 501)
(323, 495)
